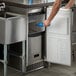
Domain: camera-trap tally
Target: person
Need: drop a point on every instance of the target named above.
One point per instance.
(55, 9)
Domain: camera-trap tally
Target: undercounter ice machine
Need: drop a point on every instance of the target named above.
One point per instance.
(36, 45)
(36, 33)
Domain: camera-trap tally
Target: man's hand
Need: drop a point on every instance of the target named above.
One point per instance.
(46, 23)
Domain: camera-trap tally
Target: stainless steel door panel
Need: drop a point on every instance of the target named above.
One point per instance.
(35, 48)
(12, 29)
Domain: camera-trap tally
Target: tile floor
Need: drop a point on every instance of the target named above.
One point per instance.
(54, 70)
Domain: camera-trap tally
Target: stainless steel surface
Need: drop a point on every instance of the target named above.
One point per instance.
(74, 21)
(26, 1)
(73, 37)
(5, 60)
(36, 10)
(33, 20)
(35, 43)
(35, 50)
(24, 11)
(23, 57)
(2, 6)
(17, 10)
(35, 67)
(38, 3)
(12, 28)
(27, 41)
(18, 1)
(2, 61)
(25, 34)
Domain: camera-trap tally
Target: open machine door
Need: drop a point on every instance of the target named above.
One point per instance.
(58, 37)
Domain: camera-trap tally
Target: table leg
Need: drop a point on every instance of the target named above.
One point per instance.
(5, 59)
(23, 57)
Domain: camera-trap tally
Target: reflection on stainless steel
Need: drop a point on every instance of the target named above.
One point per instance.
(12, 28)
(26, 1)
(2, 6)
(18, 1)
(35, 10)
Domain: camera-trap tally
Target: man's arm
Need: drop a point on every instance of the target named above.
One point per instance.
(55, 9)
(69, 4)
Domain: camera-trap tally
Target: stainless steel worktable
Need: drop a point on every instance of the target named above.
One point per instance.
(22, 7)
(26, 6)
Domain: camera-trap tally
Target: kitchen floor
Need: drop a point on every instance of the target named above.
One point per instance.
(54, 70)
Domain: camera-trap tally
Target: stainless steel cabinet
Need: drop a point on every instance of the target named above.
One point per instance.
(12, 28)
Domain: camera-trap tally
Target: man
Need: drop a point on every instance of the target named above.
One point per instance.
(55, 9)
